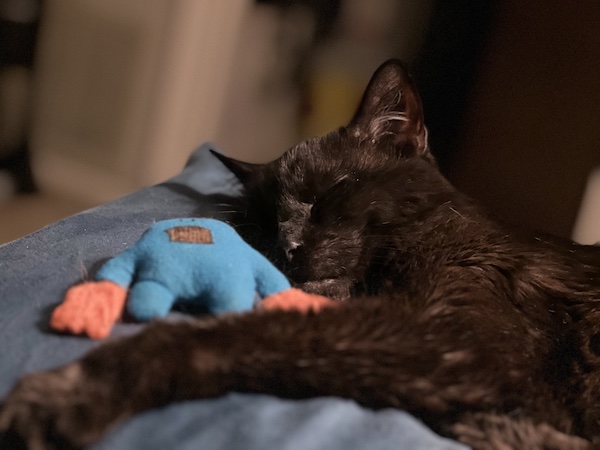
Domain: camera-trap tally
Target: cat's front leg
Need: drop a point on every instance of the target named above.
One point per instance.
(73, 406)
(50, 410)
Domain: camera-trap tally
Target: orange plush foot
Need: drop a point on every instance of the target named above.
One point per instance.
(91, 308)
(297, 300)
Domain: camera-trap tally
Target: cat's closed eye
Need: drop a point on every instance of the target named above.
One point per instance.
(293, 211)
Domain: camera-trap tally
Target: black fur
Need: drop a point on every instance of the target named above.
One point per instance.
(489, 335)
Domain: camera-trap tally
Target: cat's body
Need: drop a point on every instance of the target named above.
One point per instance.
(489, 336)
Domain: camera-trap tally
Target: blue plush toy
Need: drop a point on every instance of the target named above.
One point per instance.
(190, 261)
(194, 261)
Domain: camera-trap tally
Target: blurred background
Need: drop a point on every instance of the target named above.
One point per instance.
(101, 98)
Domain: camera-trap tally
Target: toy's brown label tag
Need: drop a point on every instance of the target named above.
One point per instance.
(190, 234)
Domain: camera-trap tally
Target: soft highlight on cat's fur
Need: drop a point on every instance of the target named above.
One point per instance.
(489, 335)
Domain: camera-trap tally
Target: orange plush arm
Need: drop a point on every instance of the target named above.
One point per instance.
(298, 300)
(92, 308)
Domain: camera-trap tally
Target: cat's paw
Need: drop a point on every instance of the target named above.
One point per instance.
(49, 410)
(335, 288)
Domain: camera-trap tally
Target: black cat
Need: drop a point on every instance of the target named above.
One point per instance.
(488, 335)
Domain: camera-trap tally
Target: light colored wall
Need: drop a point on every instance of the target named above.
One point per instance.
(127, 89)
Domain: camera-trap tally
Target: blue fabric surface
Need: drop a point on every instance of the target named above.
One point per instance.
(35, 272)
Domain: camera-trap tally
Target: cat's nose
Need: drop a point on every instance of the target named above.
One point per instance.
(290, 249)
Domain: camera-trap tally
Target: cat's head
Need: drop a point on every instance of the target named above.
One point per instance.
(331, 199)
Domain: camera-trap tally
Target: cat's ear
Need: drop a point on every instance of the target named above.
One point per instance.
(391, 109)
(242, 170)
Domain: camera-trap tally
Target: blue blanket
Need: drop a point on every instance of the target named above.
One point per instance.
(36, 270)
